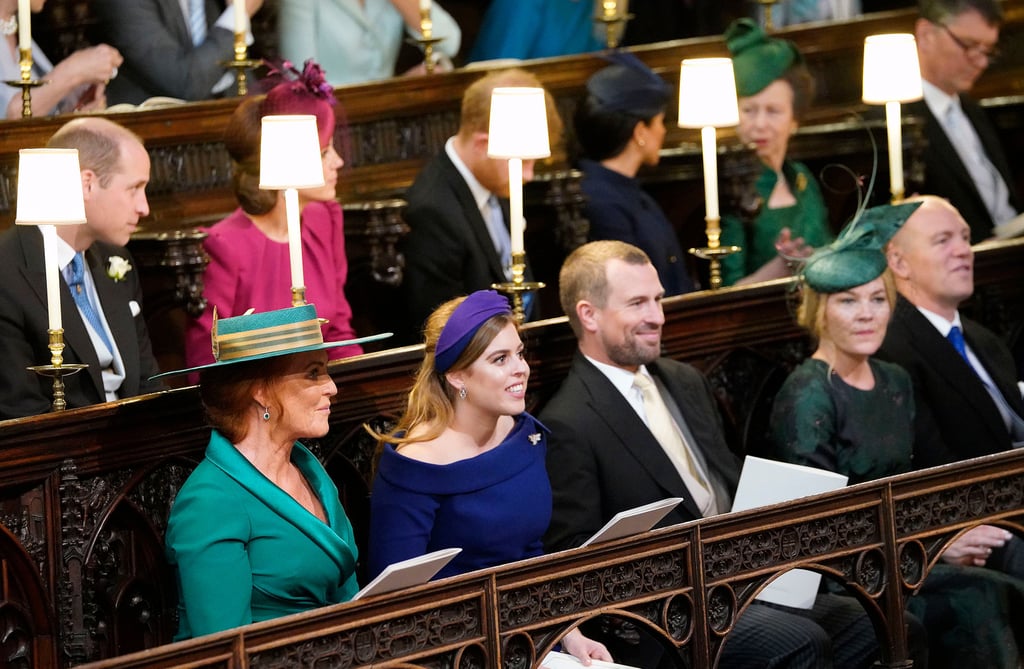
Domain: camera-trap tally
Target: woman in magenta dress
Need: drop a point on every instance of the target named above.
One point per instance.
(248, 250)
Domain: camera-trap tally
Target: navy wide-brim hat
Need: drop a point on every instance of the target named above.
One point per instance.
(628, 86)
(253, 336)
(856, 256)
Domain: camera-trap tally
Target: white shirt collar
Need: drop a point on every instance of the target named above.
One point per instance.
(938, 101)
(940, 323)
(65, 253)
(480, 194)
(621, 378)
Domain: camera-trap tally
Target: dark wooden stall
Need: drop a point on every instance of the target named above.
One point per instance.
(84, 498)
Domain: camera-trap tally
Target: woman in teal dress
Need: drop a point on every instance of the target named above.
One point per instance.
(843, 411)
(257, 531)
(775, 90)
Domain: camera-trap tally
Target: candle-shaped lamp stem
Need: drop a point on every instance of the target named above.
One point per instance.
(291, 207)
(517, 223)
(709, 151)
(24, 25)
(51, 266)
(894, 130)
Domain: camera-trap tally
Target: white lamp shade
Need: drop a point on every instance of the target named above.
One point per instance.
(519, 124)
(290, 153)
(49, 188)
(707, 93)
(892, 72)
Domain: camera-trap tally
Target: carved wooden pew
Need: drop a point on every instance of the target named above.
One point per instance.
(84, 496)
(686, 585)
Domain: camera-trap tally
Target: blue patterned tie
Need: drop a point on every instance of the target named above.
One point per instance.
(197, 21)
(495, 220)
(81, 295)
(956, 338)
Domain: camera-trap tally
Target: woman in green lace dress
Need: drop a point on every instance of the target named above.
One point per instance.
(775, 90)
(843, 411)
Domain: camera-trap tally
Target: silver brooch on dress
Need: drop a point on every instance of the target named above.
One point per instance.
(534, 438)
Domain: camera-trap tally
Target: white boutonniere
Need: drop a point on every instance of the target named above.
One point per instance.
(118, 267)
(534, 438)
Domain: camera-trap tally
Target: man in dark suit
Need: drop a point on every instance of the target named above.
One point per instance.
(171, 48)
(966, 398)
(961, 404)
(457, 211)
(964, 161)
(114, 343)
(604, 457)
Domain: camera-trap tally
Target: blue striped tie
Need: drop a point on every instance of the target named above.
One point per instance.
(197, 21)
(81, 296)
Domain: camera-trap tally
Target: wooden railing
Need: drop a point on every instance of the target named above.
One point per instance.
(84, 498)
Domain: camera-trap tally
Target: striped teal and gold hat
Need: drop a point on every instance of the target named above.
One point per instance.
(253, 336)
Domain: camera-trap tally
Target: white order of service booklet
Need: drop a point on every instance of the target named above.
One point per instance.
(407, 573)
(559, 660)
(634, 521)
(764, 482)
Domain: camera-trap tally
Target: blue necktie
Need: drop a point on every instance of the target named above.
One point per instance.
(1013, 422)
(495, 220)
(197, 21)
(81, 296)
(956, 338)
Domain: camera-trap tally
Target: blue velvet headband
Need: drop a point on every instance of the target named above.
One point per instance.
(467, 318)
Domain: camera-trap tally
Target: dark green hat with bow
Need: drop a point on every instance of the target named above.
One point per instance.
(757, 59)
(856, 256)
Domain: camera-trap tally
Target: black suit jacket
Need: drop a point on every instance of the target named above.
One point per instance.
(159, 57)
(602, 459)
(448, 251)
(23, 328)
(946, 175)
(956, 418)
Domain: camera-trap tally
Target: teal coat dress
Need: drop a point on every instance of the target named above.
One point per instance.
(974, 616)
(808, 218)
(245, 551)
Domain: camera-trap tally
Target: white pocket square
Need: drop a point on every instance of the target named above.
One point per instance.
(134, 307)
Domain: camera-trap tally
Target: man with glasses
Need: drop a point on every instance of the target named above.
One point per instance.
(956, 42)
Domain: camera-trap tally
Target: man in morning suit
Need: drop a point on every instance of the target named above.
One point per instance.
(966, 398)
(457, 211)
(103, 323)
(171, 48)
(964, 161)
(604, 456)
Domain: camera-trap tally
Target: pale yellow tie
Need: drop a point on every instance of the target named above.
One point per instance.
(664, 429)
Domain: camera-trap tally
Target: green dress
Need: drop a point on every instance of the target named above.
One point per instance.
(808, 218)
(245, 550)
(974, 616)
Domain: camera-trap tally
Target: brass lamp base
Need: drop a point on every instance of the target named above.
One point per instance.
(611, 25)
(715, 255)
(57, 369)
(517, 287)
(26, 86)
(426, 45)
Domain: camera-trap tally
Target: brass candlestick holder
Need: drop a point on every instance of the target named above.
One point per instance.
(26, 83)
(767, 5)
(518, 286)
(612, 19)
(426, 40)
(57, 369)
(714, 252)
(240, 63)
(298, 296)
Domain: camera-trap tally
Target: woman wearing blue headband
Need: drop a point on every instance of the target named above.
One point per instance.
(465, 466)
(846, 412)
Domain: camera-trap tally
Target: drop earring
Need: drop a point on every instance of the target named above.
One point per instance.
(266, 413)
(462, 393)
